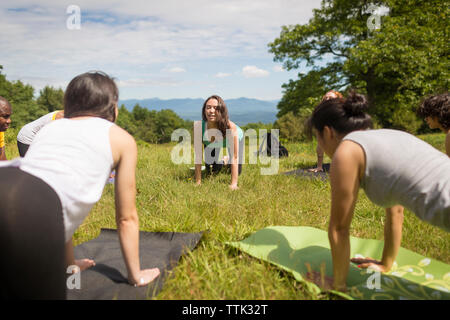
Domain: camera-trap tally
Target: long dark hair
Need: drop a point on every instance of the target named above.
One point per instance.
(436, 106)
(91, 94)
(343, 115)
(222, 114)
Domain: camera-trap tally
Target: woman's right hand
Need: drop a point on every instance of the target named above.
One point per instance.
(144, 277)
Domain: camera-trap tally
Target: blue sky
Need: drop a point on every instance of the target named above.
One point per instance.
(165, 49)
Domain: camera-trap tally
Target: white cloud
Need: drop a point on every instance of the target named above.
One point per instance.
(131, 39)
(222, 75)
(254, 72)
(176, 70)
(278, 69)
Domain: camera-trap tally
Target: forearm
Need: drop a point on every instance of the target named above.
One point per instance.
(128, 230)
(234, 171)
(198, 173)
(340, 252)
(392, 235)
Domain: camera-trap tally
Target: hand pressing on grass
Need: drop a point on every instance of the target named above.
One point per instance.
(144, 277)
(233, 187)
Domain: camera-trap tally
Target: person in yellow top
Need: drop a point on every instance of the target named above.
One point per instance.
(5, 121)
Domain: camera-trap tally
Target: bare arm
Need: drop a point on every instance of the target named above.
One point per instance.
(234, 163)
(125, 157)
(344, 178)
(392, 236)
(392, 240)
(2, 154)
(198, 152)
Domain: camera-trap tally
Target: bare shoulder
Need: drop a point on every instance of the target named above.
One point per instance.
(121, 142)
(232, 125)
(349, 156)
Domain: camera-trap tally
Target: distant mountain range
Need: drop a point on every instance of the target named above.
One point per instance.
(241, 110)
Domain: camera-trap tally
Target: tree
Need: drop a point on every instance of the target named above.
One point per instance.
(395, 66)
(21, 97)
(51, 99)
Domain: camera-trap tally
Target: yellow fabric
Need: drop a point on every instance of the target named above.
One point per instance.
(54, 115)
(2, 139)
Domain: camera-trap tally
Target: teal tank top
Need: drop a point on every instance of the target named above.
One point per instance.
(221, 143)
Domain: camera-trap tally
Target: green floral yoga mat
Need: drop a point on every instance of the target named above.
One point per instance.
(299, 250)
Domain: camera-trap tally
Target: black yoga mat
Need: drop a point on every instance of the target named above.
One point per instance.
(108, 278)
(303, 172)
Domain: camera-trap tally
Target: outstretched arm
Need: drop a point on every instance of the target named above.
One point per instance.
(392, 240)
(234, 162)
(125, 157)
(344, 177)
(198, 152)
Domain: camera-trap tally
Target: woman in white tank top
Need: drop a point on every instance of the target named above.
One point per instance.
(415, 176)
(75, 155)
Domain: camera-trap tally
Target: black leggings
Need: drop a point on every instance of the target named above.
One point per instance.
(32, 246)
(23, 148)
(212, 163)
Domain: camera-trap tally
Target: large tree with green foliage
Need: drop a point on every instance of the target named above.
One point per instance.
(395, 65)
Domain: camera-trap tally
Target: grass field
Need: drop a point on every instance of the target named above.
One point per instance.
(168, 201)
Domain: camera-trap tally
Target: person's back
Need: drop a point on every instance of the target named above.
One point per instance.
(402, 169)
(74, 157)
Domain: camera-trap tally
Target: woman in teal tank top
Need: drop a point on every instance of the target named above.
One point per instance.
(218, 131)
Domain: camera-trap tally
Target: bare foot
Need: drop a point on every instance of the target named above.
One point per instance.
(315, 170)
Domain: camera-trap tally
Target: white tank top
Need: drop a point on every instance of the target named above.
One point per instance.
(29, 131)
(73, 157)
(402, 169)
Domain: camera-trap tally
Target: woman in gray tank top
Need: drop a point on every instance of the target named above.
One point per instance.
(394, 168)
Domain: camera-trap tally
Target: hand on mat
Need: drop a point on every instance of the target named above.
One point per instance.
(84, 264)
(323, 281)
(367, 262)
(145, 277)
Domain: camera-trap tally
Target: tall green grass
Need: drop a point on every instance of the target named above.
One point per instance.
(167, 200)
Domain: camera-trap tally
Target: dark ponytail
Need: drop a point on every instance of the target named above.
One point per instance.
(343, 115)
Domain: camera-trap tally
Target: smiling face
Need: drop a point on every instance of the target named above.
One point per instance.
(5, 117)
(211, 110)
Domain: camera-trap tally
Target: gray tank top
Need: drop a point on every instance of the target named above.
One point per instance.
(402, 169)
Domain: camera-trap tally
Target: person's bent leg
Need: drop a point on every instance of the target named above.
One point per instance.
(31, 238)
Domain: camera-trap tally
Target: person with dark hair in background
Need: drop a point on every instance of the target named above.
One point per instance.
(60, 179)
(436, 112)
(394, 168)
(5, 121)
(217, 131)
